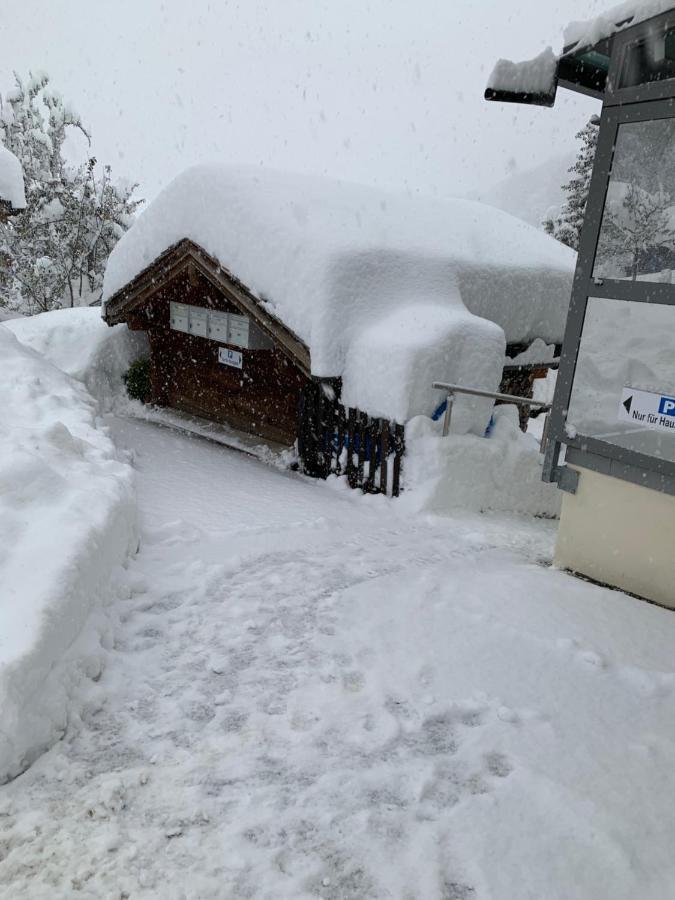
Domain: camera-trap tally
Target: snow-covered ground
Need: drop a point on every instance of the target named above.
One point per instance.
(314, 694)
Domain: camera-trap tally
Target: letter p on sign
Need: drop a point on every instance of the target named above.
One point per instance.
(667, 406)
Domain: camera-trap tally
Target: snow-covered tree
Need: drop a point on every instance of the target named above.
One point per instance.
(566, 227)
(636, 235)
(54, 252)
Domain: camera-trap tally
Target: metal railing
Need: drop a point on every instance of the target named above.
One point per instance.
(453, 389)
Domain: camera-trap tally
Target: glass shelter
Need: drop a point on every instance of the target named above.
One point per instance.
(611, 436)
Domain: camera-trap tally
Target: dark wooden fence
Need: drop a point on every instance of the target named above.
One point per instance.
(367, 451)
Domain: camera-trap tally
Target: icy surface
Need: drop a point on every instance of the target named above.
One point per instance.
(616, 19)
(333, 260)
(11, 179)
(314, 694)
(535, 76)
(67, 518)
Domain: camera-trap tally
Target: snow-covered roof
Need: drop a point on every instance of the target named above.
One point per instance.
(625, 15)
(536, 76)
(329, 258)
(11, 180)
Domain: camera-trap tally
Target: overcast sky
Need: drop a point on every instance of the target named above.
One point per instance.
(386, 92)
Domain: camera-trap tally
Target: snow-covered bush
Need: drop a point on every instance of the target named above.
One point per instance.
(137, 379)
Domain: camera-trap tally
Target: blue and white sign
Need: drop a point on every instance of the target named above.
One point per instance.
(230, 357)
(648, 409)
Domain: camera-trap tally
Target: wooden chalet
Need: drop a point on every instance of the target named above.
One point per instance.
(218, 354)
(215, 351)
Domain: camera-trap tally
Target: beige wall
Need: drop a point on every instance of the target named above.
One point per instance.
(620, 534)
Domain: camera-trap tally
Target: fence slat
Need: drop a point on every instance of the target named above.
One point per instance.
(369, 486)
(351, 432)
(363, 429)
(340, 429)
(384, 454)
(399, 444)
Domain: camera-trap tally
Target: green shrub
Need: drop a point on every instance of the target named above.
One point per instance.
(137, 380)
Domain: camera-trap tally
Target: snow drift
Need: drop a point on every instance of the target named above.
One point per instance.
(67, 519)
(78, 342)
(338, 263)
(498, 473)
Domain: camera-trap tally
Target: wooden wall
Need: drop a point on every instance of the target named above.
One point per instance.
(262, 398)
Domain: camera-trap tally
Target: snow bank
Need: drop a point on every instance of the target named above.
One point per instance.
(334, 260)
(67, 519)
(501, 472)
(78, 342)
(589, 32)
(535, 76)
(11, 179)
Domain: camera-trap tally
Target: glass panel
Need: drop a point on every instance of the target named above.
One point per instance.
(625, 377)
(651, 59)
(637, 236)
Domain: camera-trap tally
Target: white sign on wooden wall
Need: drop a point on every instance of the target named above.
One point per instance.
(230, 357)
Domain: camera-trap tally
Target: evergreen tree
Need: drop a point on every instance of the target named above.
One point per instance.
(54, 252)
(566, 227)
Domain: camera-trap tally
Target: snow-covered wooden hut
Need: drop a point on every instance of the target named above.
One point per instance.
(256, 287)
(12, 196)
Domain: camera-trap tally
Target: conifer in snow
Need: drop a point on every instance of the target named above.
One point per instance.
(54, 252)
(566, 227)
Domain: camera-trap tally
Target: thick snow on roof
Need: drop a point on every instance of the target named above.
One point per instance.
(534, 76)
(632, 12)
(335, 261)
(11, 179)
(321, 251)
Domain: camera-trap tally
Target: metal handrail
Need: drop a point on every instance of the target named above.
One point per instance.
(452, 389)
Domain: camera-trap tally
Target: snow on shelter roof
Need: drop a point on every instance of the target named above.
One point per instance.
(625, 15)
(11, 180)
(535, 81)
(330, 259)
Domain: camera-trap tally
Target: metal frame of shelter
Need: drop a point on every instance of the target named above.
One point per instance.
(648, 101)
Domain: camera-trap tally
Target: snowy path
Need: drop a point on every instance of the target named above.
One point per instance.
(312, 696)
